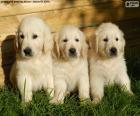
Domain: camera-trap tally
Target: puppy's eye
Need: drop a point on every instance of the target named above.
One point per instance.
(35, 36)
(65, 40)
(76, 39)
(106, 40)
(117, 39)
(22, 36)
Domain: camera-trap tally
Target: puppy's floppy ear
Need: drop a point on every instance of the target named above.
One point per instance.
(98, 31)
(56, 50)
(91, 41)
(84, 50)
(48, 40)
(96, 41)
(122, 41)
(16, 41)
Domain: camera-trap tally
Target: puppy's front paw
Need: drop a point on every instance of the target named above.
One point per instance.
(27, 98)
(85, 101)
(96, 101)
(131, 93)
(56, 101)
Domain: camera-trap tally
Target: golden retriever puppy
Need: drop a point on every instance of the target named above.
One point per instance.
(71, 66)
(32, 70)
(106, 60)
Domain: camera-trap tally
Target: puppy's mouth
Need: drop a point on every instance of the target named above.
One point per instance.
(72, 52)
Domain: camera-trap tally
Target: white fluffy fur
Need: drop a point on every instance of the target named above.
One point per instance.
(31, 73)
(70, 72)
(105, 68)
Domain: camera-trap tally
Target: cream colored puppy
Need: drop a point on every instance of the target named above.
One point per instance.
(32, 70)
(106, 60)
(70, 66)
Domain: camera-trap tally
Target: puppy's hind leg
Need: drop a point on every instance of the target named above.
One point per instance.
(60, 92)
(124, 81)
(25, 88)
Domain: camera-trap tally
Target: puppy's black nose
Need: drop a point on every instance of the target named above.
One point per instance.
(27, 51)
(113, 51)
(72, 50)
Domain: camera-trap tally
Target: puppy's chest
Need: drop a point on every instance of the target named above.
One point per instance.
(69, 73)
(35, 69)
(73, 78)
(108, 69)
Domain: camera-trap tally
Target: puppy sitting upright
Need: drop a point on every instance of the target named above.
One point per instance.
(70, 66)
(106, 60)
(33, 67)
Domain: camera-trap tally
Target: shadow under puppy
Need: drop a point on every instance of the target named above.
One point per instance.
(106, 60)
(70, 64)
(32, 70)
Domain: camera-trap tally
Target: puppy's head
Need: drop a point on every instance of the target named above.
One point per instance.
(33, 37)
(109, 40)
(70, 43)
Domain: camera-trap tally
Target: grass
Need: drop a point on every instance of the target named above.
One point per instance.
(114, 103)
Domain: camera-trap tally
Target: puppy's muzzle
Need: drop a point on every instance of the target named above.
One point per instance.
(113, 51)
(72, 52)
(27, 51)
